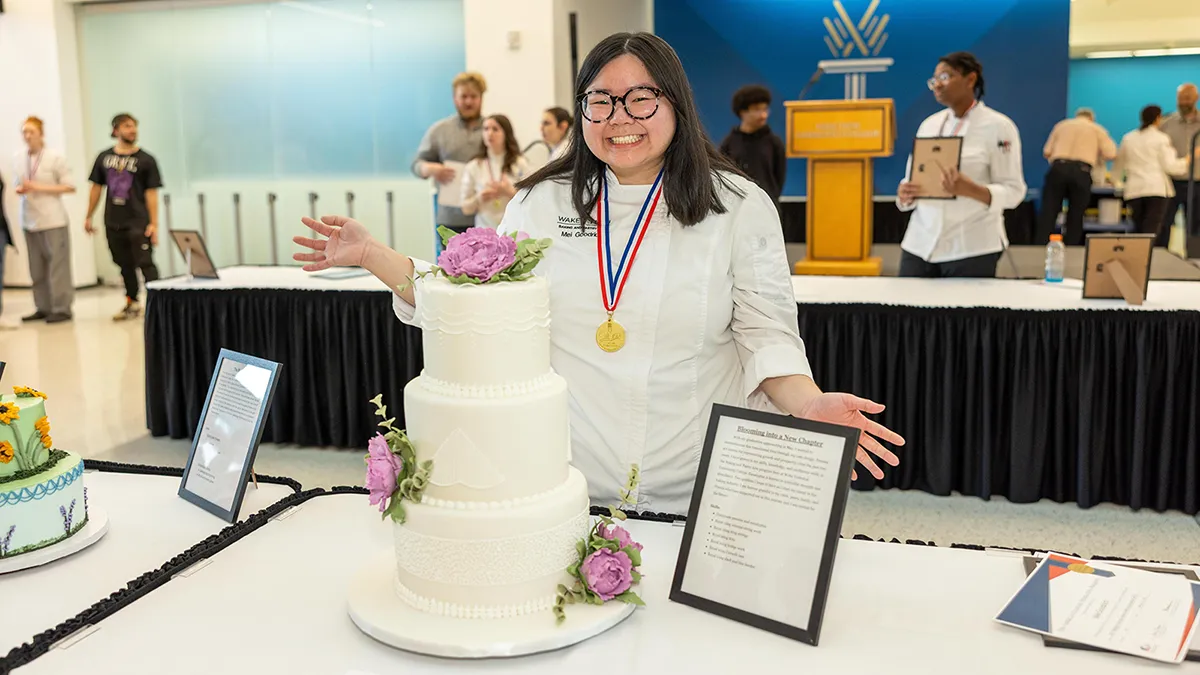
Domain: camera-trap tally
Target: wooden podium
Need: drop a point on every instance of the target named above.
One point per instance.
(839, 139)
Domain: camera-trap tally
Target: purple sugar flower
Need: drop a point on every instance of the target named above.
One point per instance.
(383, 468)
(620, 535)
(480, 253)
(607, 574)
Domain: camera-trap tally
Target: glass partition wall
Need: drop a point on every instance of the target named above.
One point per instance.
(262, 112)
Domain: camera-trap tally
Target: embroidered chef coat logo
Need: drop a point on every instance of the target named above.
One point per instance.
(571, 227)
(1005, 146)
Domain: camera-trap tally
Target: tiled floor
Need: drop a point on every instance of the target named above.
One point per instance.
(92, 369)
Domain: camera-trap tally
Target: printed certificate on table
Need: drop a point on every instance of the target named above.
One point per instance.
(1121, 609)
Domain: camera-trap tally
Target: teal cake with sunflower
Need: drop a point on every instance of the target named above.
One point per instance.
(42, 497)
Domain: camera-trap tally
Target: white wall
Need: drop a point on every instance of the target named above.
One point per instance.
(1100, 25)
(41, 77)
(521, 79)
(524, 81)
(594, 22)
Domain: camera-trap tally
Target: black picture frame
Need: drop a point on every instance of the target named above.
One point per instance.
(202, 266)
(810, 633)
(1030, 563)
(2, 366)
(230, 515)
(1134, 250)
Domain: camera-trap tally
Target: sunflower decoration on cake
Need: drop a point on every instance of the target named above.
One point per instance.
(9, 413)
(6, 452)
(43, 429)
(29, 392)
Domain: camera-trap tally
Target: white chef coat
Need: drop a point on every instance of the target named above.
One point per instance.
(955, 229)
(481, 171)
(40, 211)
(709, 313)
(1145, 163)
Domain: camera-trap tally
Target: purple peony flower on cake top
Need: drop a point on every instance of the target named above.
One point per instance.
(607, 574)
(480, 253)
(383, 466)
(619, 535)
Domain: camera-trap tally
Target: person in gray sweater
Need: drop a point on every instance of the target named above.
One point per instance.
(454, 139)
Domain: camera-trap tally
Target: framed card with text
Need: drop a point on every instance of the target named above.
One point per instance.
(765, 519)
(227, 436)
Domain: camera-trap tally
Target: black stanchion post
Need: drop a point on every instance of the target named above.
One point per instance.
(274, 230)
(237, 227)
(391, 219)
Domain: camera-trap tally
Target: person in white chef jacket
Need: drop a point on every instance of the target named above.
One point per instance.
(964, 236)
(708, 308)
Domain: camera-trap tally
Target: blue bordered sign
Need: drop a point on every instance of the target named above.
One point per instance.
(228, 433)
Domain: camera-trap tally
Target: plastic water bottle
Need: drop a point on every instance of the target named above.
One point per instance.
(1056, 259)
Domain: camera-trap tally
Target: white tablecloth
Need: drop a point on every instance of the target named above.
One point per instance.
(275, 602)
(1007, 293)
(148, 524)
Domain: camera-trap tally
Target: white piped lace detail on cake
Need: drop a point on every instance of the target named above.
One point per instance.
(462, 323)
(426, 500)
(460, 462)
(506, 390)
(450, 609)
(503, 561)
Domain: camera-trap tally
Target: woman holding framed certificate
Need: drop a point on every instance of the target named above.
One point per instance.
(705, 299)
(957, 225)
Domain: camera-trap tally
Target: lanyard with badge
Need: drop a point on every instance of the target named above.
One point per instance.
(31, 168)
(610, 336)
(492, 177)
(958, 125)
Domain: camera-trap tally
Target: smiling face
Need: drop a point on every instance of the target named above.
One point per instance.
(633, 148)
(493, 136)
(951, 87)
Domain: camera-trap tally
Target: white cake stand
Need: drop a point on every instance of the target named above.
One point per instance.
(379, 611)
(91, 533)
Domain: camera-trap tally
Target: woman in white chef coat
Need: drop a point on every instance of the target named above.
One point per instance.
(964, 236)
(708, 308)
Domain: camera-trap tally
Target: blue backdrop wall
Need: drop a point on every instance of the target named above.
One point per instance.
(1118, 89)
(1023, 45)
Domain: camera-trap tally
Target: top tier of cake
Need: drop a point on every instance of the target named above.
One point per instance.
(485, 335)
(24, 432)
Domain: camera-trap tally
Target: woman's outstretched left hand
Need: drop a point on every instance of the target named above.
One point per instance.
(847, 410)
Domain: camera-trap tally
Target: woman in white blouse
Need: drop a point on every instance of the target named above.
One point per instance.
(1144, 165)
(489, 179)
(708, 308)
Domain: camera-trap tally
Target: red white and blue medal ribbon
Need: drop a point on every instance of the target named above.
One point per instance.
(610, 336)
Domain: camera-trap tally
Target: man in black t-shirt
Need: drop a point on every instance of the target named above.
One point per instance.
(752, 146)
(131, 210)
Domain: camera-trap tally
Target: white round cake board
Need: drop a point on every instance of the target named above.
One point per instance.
(91, 533)
(379, 611)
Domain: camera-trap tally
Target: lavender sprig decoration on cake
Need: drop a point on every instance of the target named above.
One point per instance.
(482, 255)
(608, 560)
(6, 542)
(393, 473)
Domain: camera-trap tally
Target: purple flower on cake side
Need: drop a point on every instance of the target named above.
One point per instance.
(67, 516)
(480, 253)
(383, 467)
(607, 574)
(618, 534)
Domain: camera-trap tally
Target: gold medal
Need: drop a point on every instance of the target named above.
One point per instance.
(610, 335)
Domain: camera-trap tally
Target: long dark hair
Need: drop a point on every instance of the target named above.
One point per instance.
(692, 165)
(1150, 115)
(511, 149)
(966, 63)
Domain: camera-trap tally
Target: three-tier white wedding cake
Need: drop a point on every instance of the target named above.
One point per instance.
(498, 523)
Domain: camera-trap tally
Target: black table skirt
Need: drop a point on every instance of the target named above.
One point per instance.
(1074, 406)
(338, 349)
(1086, 407)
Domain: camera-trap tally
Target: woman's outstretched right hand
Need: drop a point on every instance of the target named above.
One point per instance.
(347, 243)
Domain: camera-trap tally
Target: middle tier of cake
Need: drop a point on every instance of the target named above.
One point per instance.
(492, 562)
(490, 446)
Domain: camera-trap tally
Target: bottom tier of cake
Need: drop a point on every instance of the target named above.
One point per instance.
(469, 560)
(44, 508)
